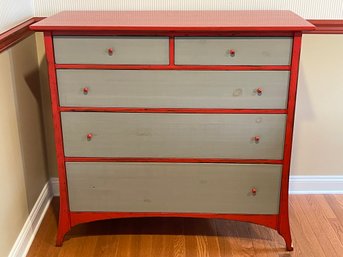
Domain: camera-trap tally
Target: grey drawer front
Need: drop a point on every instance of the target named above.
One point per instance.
(174, 187)
(126, 50)
(174, 89)
(173, 135)
(248, 50)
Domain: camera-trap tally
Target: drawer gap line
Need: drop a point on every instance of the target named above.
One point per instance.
(171, 160)
(174, 67)
(173, 110)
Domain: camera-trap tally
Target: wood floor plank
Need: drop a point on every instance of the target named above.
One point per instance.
(168, 232)
(316, 226)
(244, 239)
(338, 228)
(310, 242)
(201, 236)
(325, 234)
(336, 204)
(262, 241)
(325, 207)
(226, 239)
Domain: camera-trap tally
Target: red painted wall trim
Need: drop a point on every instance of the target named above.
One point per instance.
(326, 27)
(18, 33)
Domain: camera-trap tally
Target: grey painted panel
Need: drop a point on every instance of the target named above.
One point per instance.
(249, 50)
(127, 50)
(174, 187)
(178, 89)
(173, 135)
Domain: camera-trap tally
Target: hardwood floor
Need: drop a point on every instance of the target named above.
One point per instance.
(316, 224)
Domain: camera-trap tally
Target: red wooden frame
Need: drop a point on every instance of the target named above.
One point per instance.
(203, 21)
(64, 217)
(68, 219)
(171, 160)
(82, 217)
(173, 110)
(173, 67)
(171, 33)
(283, 225)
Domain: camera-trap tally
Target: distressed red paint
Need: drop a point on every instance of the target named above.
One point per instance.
(83, 24)
(64, 218)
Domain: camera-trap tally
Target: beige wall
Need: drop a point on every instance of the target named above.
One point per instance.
(23, 169)
(28, 98)
(46, 110)
(13, 202)
(318, 141)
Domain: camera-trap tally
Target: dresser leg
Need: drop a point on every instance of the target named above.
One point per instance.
(59, 239)
(63, 229)
(60, 235)
(285, 232)
(289, 246)
(63, 223)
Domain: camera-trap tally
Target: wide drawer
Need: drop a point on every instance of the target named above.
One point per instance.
(111, 50)
(233, 50)
(174, 89)
(248, 136)
(174, 187)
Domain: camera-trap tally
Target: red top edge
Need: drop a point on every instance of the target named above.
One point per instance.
(256, 20)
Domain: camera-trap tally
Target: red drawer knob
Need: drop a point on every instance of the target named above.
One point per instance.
(232, 52)
(89, 136)
(85, 90)
(253, 191)
(259, 91)
(110, 51)
(257, 139)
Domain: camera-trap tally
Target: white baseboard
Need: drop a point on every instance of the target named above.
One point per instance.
(297, 185)
(30, 228)
(316, 185)
(55, 186)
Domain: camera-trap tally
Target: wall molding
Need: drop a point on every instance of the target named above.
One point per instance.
(30, 228)
(316, 185)
(326, 27)
(16, 34)
(55, 186)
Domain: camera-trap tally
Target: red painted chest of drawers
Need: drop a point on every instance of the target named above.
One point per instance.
(173, 113)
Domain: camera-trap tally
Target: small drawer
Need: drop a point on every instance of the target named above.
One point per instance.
(174, 187)
(242, 136)
(111, 50)
(233, 50)
(173, 89)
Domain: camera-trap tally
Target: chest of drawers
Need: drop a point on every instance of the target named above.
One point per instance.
(173, 113)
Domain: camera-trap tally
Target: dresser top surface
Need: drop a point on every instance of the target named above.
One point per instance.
(257, 20)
